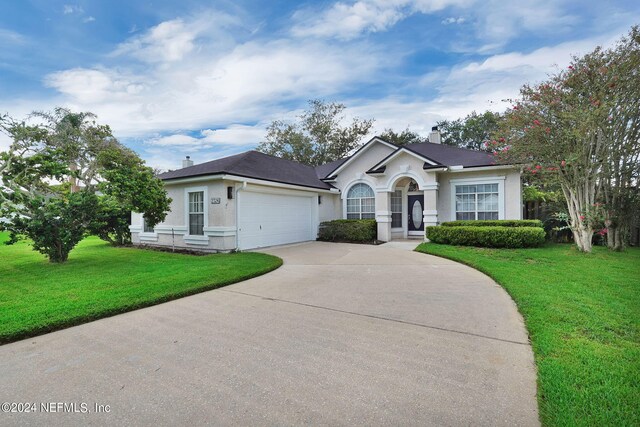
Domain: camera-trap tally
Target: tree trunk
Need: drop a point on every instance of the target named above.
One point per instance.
(615, 238)
(578, 202)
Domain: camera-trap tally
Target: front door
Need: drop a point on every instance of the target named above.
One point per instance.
(415, 213)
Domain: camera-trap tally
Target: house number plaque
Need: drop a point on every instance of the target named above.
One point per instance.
(215, 200)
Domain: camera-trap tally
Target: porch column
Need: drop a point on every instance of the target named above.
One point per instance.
(431, 200)
(430, 207)
(383, 216)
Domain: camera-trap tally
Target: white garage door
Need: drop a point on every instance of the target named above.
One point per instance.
(273, 219)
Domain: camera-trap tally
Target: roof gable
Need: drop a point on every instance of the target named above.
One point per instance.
(358, 153)
(379, 167)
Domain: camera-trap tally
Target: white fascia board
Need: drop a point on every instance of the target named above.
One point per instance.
(479, 168)
(278, 184)
(189, 180)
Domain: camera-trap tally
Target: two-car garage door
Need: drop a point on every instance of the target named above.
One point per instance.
(273, 219)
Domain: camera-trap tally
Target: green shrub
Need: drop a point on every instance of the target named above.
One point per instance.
(488, 237)
(348, 230)
(495, 223)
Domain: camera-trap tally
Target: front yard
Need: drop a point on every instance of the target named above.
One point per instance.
(100, 280)
(582, 312)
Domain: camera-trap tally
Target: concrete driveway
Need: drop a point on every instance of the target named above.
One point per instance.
(340, 335)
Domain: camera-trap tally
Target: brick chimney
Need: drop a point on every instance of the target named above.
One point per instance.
(187, 162)
(434, 136)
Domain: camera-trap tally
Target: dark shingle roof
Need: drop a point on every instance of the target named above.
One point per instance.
(323, 170)
(253, 164)
(448, 155)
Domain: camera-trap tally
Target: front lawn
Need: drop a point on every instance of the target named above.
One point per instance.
(582, 312)
(99, 280)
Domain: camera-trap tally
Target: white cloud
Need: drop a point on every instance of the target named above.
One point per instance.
(237, 135)
(453, 20)
(216, 85)
(69, 9)
(5, 141)
(88, 19)
(348, 20)
(11, 37)
(94, 86)
(173, 40)
(495, 22)
(170, 41)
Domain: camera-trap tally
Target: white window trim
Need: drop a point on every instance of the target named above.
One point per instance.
(403, 196)
(481, 180)
(187, 236)
(346, 197)
(343, 194)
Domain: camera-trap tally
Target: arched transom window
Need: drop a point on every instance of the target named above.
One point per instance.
(361, 202)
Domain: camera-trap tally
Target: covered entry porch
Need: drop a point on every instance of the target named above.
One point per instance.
(405, 206)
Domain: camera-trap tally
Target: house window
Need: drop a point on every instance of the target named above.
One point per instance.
(478, 201)
(196, 213)
(361, 202)
(145, 227)
(396, 209)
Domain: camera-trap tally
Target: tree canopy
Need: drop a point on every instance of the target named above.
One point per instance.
(318, 137)
(403, 138)
(472, 132)
(581, 127)
(67, 176)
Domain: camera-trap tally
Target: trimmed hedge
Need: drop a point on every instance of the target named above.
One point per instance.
(348, 230)
(495, 223)
(488, 237)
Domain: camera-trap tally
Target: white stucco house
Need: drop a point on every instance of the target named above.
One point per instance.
(252, 200)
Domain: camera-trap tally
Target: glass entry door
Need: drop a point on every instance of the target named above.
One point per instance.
(415, 207)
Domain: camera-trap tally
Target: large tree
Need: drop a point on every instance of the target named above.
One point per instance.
(318, 137)
(580, 127)
(472, 132)
(619, 121)
(67, 176)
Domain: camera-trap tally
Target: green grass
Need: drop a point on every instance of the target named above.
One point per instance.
(582, 312)
(99, 280)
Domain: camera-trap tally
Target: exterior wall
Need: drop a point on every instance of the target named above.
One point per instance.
(219, 224)
(512, 197)
(220, 218)
(330, 208)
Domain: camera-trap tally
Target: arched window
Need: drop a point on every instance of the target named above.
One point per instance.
(361, 202)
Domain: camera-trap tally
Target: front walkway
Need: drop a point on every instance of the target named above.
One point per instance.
(340, 335)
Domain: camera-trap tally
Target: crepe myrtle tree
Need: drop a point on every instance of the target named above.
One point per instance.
(67, 176)
(580, 128)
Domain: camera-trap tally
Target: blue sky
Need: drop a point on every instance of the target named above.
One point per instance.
(204, 78)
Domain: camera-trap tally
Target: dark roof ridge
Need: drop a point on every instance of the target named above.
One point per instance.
(276, 157)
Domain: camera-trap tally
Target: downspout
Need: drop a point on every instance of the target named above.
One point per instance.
(243, 187)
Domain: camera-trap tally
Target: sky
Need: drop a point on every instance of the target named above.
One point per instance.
(205, 78)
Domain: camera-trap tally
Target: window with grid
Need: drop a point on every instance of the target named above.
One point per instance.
(361, 202)
(396, 209)
(196, 213)
(146, 228)
(478, 201)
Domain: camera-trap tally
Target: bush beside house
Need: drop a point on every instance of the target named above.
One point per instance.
(490, 236)
(495, 223)
(348, 230)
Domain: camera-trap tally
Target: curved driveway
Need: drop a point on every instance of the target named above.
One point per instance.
(340, 335)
